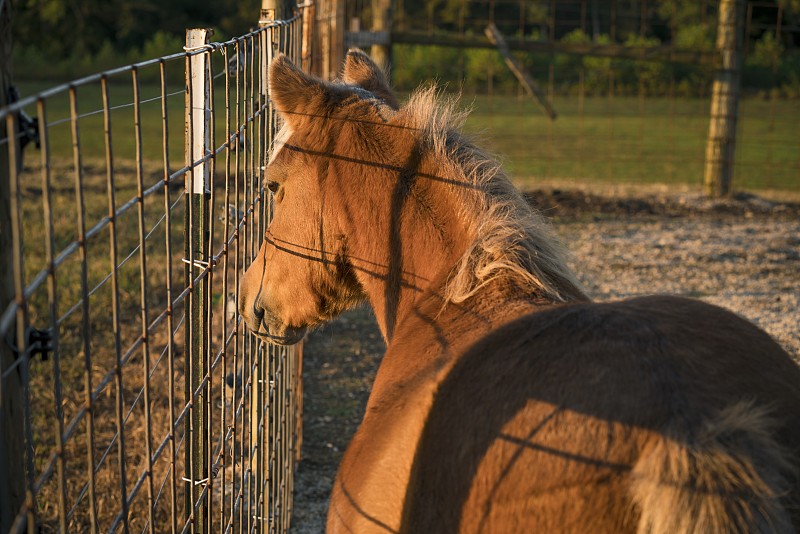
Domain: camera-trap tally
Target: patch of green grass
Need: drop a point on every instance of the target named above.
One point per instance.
(618, 140)
(636, 141)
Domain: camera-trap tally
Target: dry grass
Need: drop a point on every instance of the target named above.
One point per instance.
(70, 371)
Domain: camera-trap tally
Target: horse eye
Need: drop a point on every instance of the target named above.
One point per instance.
(273, 186)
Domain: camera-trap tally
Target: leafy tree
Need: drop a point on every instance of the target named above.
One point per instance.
(64, 28)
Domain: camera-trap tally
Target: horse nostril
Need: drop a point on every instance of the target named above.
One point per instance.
(253, 317)
(250, 312)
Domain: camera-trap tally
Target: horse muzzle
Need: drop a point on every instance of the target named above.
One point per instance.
(268, 329)
(288, 335)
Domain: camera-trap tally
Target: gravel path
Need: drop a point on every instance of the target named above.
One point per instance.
(742, 254)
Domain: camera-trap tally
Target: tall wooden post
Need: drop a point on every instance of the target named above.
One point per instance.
(12, 441)
(308, 31)
(381, 52)
(721, 144)
(338, 27)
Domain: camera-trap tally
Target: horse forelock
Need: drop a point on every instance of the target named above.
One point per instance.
(357, 94)
(283, 135)
(511, 239)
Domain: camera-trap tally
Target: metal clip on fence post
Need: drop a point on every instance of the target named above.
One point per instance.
(197, 264)
(27, 128)
(38, 342)
(267, 16)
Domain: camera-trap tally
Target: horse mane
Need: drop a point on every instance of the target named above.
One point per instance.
(512, 240)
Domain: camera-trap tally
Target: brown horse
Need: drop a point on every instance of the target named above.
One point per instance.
(507, 401)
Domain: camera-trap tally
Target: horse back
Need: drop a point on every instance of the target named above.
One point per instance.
(545, 424)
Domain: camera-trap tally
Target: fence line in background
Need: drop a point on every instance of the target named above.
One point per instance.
(634, 94)
(120, 273)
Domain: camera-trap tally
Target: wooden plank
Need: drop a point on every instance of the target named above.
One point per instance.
(368, 38)
(665, 54)
(527, 81)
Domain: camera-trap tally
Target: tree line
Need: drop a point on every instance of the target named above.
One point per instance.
(60, 39)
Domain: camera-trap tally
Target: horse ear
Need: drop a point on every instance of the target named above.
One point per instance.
(293, 91)
(360, 70)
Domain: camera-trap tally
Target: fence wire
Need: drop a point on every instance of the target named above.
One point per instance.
(135, 397)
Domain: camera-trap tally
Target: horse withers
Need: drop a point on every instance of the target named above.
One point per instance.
(506, 401)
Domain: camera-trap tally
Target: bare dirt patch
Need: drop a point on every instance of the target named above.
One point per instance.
(742, 253)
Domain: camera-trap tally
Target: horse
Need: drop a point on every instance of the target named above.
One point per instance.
(507, 400)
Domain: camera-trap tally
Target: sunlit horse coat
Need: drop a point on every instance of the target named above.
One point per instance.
(507, 401)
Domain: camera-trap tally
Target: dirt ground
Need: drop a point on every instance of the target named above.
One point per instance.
(743, 254)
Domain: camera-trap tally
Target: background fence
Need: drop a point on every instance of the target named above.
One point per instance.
(631, 81)
(132, 397)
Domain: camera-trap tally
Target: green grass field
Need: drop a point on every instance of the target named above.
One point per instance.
(624, 139)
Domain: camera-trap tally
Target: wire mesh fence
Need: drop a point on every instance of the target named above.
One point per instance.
(133, 398)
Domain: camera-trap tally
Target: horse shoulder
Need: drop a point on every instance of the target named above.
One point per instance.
(369, 493)
(370, 486)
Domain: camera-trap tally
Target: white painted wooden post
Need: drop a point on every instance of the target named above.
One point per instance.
(201, 113)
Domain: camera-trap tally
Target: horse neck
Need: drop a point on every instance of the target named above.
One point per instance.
(427, 234)
(439, 331)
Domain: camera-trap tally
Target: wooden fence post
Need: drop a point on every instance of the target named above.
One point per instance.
(381, 52)
(721, 143)
(308, 37)
(12, 440)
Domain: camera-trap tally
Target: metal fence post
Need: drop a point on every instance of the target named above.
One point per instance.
(271, 10)
(721, 144)
(198, 192)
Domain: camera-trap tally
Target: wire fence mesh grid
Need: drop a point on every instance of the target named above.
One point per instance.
(132, 396)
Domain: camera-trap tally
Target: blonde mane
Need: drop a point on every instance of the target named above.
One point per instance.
(511, 239)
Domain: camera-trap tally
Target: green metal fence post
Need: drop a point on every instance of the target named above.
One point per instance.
(198, 190)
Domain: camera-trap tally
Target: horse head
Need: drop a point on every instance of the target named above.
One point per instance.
(302, 275)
